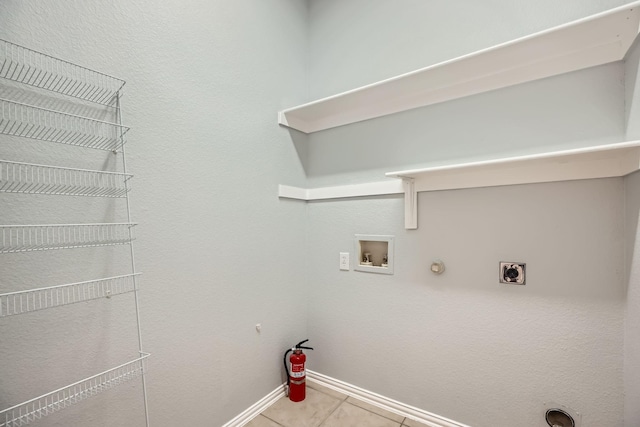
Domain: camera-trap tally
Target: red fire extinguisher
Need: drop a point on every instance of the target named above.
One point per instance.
(296, 376)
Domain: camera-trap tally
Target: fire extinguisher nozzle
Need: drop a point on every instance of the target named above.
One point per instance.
(301, 342)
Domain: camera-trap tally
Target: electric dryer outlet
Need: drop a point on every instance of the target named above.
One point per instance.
(512, 273)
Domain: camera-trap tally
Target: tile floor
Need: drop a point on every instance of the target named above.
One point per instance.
(324, 407)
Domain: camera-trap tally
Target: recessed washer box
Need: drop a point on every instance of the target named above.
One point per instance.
(374, 254)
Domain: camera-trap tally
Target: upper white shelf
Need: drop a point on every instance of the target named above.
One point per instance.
(603, 161)
(591, 41)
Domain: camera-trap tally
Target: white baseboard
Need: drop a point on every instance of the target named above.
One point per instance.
(383, 402)
(255, 409)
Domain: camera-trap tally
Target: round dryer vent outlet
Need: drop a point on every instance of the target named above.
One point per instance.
(559, 418)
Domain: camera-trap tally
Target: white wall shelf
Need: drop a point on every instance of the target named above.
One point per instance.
(13, 303)
(603, 161)
(47, 404)
(595, 40)
(600, 161)
(29, 178)
(28, 121)
(340, 191)
(27, 66)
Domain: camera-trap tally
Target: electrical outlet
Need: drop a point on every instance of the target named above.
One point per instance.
(344, 261)
(512, 273)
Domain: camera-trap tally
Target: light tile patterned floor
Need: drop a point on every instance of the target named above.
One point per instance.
(324, 407)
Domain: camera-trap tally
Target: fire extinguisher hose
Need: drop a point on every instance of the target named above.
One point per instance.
(286, 368)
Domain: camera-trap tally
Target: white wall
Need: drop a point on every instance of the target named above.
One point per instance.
(632, 189)
(204, 82)
(462, 345)
(632, 91)
(372, 40)
(574, 110)
(357, 42)
(632, 314)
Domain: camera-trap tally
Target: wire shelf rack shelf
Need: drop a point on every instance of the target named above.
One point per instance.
(29, 178)
(28, 121)
(23, 65)
(61, 398)
(26, 74)
(26, 238)
(13, 303)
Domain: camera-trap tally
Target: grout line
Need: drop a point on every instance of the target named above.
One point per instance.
(383, 402)
(263, 415)
(375, 413)
(400, 423)
(342, 402)
(346, 396)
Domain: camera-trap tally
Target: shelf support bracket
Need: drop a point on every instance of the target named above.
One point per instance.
(410, 204)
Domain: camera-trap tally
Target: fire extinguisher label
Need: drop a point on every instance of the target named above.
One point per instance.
(297, 370)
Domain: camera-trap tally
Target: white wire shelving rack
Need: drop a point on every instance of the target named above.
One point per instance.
(28, 67)
(27, 238)
(56, 400)
(13, 303)
(28, 121)
(29, 178)
(24, 65)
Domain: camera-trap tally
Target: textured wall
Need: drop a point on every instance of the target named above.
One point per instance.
(221, 253)
(632, 314)
(357, 42)
(373, 40)
(218, 250)
(567, 111)
(462, 345)
(632, 91)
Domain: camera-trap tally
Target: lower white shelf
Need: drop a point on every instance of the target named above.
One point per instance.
(341, 191)
(25, 238)
(56, 400)
(602, 161)
(13, 303)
